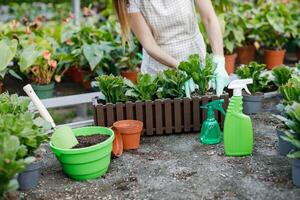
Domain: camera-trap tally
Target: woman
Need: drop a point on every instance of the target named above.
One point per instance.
(168, 31)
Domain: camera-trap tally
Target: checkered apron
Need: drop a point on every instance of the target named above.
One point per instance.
(175, 28)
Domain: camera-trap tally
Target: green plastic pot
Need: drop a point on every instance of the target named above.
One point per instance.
(90, 162)
(43, 91)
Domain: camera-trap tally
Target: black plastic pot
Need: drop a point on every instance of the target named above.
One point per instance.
(252, 104)
(29, 178)
(296, 172)
(284, 147)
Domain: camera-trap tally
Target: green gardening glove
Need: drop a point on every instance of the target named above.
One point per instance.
(189, 87)
(221, 79)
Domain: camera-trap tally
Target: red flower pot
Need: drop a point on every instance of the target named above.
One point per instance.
(77, 75)
(246, 54)
(130, 75)
(274, 58)
(230, 63)
(1, 87)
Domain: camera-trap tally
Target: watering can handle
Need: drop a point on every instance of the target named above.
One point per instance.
(39, 105)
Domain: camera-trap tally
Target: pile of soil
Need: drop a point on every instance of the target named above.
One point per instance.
(86, 141)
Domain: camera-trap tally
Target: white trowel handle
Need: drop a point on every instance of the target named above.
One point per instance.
(39, 105)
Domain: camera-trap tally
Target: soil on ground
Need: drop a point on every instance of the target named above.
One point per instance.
(179, 167)
(87, 141)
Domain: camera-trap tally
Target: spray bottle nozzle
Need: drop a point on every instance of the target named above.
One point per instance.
(215, 105)
(239, 85)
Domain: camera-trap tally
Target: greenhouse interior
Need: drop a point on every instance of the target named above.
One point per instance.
(150, 99)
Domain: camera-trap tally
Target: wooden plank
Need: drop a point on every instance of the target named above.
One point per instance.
(129, 110)
(177, 115)
(149, 118)
(196, 114)
(119, 111)
(168, 117)
(139, 112)
(100, 115)
(187, 114)
(158, 117)
(110, 114)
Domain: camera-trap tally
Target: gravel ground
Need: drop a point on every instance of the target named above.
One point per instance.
(179, 167)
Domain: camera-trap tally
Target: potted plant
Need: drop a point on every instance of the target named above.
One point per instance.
(9, 49)
(172, 113)
(38, 63)
(233, 37)
(246, 51)
(10, 164)
(252, 104)
(274, 26)
(128, 62)
(293, 136)
(30, 130)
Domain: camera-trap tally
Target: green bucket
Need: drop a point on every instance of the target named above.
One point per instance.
(90, 162)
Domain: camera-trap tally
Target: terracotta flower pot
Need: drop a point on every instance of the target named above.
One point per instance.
(130, 75)
(131, 133)
(230, 63)
(1, 87)
(77, 75)
(117, 149)
(246, 54)
(274, 58)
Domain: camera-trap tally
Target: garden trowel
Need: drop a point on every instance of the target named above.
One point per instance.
(62, 137)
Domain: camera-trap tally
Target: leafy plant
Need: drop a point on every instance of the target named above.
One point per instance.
(144, 90)
(8, 50)
(13, 104)
(274, 24)
(291, 90)
(112, 87)
(200, 72)
(281, 74)
(293, 123)
(21, 134)
(38, 63)
(233, 35)
(255, 72)
(10, 165)
(129, 57)
(171, 84)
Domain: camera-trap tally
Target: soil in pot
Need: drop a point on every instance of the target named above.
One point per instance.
(246, 54)
(44, 91)
(87, 141)
(284, 147)
(296, 172)
(230, 63)
(130, 75)
(274, 58)
(252, 104)
(29, 178)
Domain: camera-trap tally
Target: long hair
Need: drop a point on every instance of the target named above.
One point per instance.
(121, 9)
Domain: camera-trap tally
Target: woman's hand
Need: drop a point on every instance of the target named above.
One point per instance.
(212, 26)
(145, 37)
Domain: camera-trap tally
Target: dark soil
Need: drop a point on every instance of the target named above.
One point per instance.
(86, 141)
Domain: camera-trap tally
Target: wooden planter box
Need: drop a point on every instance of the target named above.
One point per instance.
(160, 117)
